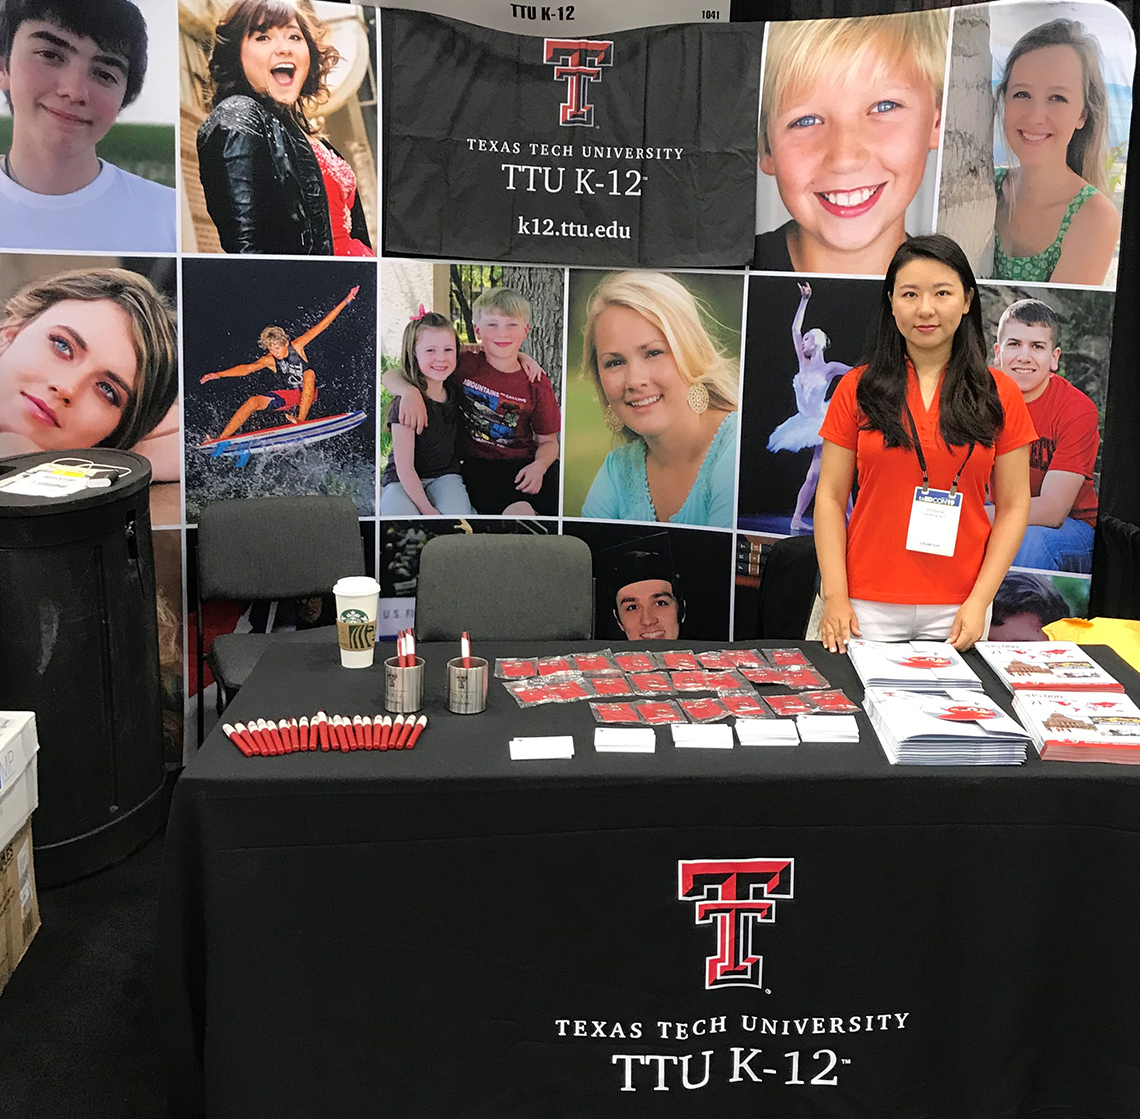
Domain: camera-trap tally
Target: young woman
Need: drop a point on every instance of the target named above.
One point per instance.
(1053, 221)
(671, 394)
(87, 359)
(271, 184)
(810, 385)
(927, 425)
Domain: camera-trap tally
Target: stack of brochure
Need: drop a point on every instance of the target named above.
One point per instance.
(952, 726)
(827, 728)
(1081, 726)
(916, 665)
(1051, 666)
(767, 732)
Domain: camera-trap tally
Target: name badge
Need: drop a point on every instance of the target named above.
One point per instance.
(934, 519)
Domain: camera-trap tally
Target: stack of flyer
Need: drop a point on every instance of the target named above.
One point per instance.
(1081, 726)
(915, 665)
(1051, 666)
(951, 726)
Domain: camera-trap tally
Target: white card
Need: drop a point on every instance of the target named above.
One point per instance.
(625, 740)
(702, 736)
(934, 517)
(555, 746)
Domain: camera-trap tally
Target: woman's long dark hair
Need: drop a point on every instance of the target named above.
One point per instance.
(244, 17)
(969, 408)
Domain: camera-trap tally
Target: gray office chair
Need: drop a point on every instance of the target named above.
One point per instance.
(505, 588)
(269, 548)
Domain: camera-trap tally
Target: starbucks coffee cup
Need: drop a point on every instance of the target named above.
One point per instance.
(357, 599)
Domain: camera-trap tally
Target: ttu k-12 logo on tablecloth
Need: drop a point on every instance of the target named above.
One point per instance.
(735, 896)
(636, 149)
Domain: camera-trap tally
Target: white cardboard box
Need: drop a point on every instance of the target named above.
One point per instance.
(19, 790)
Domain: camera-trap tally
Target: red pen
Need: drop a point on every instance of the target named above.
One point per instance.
(278, 741)
(421, 722)
(385, 731)
(247, 738)
(303, 727)
(295, 734)
(411, 643)
(465, 648)
(323, 729)
(267, 735)
(366, 722)
(358, 731)
(235, 738)
(407, 730)
(254, 732)
(347, 742)
(397, 728)
(286, 732)
(336, 735)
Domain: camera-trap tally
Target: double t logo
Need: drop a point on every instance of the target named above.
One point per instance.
(735, 894)
(577, 62)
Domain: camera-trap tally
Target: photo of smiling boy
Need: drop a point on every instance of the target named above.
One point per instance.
(67, 68)
(1062, 505)
(850, 110)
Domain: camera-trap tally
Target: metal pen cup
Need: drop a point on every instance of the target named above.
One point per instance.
(467, 687)
(403, 687)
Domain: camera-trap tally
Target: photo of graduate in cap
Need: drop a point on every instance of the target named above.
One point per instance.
(660, 585)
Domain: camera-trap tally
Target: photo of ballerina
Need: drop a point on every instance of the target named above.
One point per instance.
(279, 380)
(664, 584)
(651, 416)
(802, 337)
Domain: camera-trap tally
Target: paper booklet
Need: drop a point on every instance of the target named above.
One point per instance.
(919, 665)
(1081, 726)
(1049, 665)
(951, 726)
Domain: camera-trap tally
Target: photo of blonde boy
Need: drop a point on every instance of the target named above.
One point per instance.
(851, 110)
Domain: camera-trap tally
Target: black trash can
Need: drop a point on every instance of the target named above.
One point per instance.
(79, 647)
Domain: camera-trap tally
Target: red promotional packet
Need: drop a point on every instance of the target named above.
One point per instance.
(611, 685)
(651, 683)
(615, 713)
(746, 707)
(690, 681)
(680, 659)
(508, 669)
(665, 712)
(726, 682)
(568, 691)
(593, 662)
(552, 666)
(704, 710)
(527, 695)
(634, 662)
(780, 658)
(806, 677)
(763, 675)
(833, 702)
(789, 704)
(722, 660)
(745, 658)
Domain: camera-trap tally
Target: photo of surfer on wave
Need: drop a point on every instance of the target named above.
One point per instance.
(287, 357)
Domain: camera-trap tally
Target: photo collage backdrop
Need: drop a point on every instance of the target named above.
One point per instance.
(592, 263)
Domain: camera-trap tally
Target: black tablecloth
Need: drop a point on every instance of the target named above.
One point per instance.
(446, 933)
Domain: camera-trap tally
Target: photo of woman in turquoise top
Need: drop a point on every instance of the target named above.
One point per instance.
(669, 391)
(1055, 219)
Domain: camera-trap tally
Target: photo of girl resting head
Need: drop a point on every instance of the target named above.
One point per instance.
(1055, 220)
(669, 393)
(88, 358)
(423, 476)
(273, 184)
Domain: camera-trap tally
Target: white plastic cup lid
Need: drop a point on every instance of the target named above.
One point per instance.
(354, 586)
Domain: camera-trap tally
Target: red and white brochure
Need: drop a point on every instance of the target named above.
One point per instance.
(634, 662)
(664, 712)
(508, 668)
(615, 713)
(704, 710)
(651, 683)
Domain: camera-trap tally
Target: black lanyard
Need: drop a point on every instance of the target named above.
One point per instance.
(922, 457)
